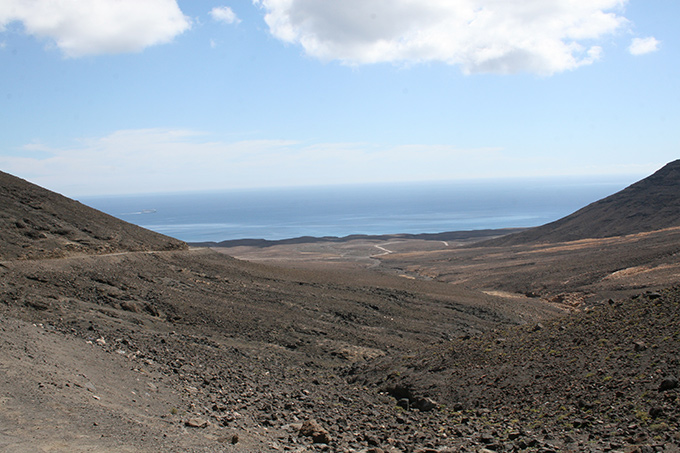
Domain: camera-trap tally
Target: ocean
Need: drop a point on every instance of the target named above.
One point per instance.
(431, 207)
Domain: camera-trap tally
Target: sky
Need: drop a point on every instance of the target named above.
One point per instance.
(149, 96)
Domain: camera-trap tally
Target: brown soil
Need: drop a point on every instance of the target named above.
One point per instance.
(603, 380)
(132, 342)
(126, 349)
(37, 223)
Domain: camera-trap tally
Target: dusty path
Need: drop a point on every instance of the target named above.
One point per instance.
(383, 249)
(84, 256)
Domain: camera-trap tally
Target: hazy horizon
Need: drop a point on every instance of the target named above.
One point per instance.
(374, 209)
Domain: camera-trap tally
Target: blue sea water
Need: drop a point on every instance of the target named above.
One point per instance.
(431, 207)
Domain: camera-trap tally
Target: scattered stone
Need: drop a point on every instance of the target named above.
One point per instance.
(371, 440)
(38, 303)
(655, 412)
(486, 438)
(425, 404)
(639, 346)
(645, 449)
(514, 435)
(580, 423)
(150, 309)
(404, 403)
(669, 383)
(129, 305)
(311, 428)
(196, 423)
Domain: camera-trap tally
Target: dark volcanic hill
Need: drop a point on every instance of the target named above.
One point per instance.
(35, 222)
(112, 340)
(601, 380)
(648, 205)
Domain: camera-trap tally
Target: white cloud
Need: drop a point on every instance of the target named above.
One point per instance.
(641, 46)
(224, 14)
(94, 27)
(495, 36)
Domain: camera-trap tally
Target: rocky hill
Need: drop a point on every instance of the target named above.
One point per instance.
(113, 338)
(35, 222)
(650, 204)
(601, 380)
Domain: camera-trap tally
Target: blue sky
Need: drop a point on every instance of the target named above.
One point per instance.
(131, 96)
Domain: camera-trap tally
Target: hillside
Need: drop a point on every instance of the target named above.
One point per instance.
(112, 342)
(601, 380)
(36, 223)
(650, 204)
(113, 338)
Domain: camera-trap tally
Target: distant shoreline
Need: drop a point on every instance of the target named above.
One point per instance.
(446, 236)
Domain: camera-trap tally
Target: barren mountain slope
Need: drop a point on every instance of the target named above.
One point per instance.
(650, 204)
(601, 380)
(35, 222)
(615, 247)
(191, 350)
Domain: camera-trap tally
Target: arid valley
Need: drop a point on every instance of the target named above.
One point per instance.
(564, 337)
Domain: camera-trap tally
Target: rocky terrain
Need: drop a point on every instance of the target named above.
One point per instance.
(649, 205)
(602, 380)
(118, 339)
(36, 223)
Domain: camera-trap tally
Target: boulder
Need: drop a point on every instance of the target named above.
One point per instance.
(669, 383)
(311, 428)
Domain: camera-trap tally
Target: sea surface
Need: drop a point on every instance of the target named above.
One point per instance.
(432, 207)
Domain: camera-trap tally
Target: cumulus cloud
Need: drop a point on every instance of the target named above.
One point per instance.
(93, 27)
(224, 14)
(492, 36)
(641, 46)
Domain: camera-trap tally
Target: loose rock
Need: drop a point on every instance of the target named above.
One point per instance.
(196, 423)
(318, 434)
